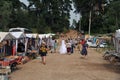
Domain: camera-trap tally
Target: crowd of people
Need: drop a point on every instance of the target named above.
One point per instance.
(63, 46)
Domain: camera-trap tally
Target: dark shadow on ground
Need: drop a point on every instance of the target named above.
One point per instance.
(112, 67)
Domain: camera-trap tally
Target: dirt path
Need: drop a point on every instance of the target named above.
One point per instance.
(68, 67)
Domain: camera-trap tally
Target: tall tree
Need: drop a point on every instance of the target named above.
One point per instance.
(19, 14)
(90, 10)
(113, 13)
(5, 12)
(52, 13)
(42, 15)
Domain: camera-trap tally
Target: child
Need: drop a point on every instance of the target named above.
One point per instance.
(43, 51)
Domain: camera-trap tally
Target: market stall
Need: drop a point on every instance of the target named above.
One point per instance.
(32, 46)
(6, 36)
(20, 38)
(10, 61)
(114, 55)
(5, 39)
(7, 62)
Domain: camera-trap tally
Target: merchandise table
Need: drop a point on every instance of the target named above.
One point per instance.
(11, 61)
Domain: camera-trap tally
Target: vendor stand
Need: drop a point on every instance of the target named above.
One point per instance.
(19, 36)
(5, 59)
(32, 54)
(10, 61)
(32, 45)
(114, 55)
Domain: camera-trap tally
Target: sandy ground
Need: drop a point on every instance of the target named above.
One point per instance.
(68, 67)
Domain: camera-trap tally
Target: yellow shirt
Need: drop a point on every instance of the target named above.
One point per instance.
(43, 49)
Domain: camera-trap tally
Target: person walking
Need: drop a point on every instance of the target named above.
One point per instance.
(84, 51)
(72, 45)
(55, 45)
(43, 51)
(68, 45)
(63, 49)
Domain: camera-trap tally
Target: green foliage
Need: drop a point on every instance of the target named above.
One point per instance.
(45, 16)
(5, 12)
(113, 14)
(51, 14)
(105, 17)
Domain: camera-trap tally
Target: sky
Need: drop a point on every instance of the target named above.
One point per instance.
(72, 14)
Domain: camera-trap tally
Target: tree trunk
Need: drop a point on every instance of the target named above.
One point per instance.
(89, 22)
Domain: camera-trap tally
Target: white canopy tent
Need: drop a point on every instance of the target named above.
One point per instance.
(32, 35)
(35, 35)
(117, 40)
(29, 35)
(47, 35)
(18, 35)
(41, 36)
(6, 36)
(52, 34)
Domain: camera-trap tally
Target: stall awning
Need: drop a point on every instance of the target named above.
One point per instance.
(18, 35)
(32, 35)
(29, 35)
(6, 36)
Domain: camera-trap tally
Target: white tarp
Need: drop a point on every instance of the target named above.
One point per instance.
(46, 35)
(117, 34)
(49, 35)
(29, 35)
(117, 41)
(18, 35)
(41, 36)
(35, 35)
(32, 35)
(52, 34)
(6, 36)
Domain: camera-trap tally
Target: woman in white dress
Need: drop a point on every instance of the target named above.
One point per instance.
(63, 49)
